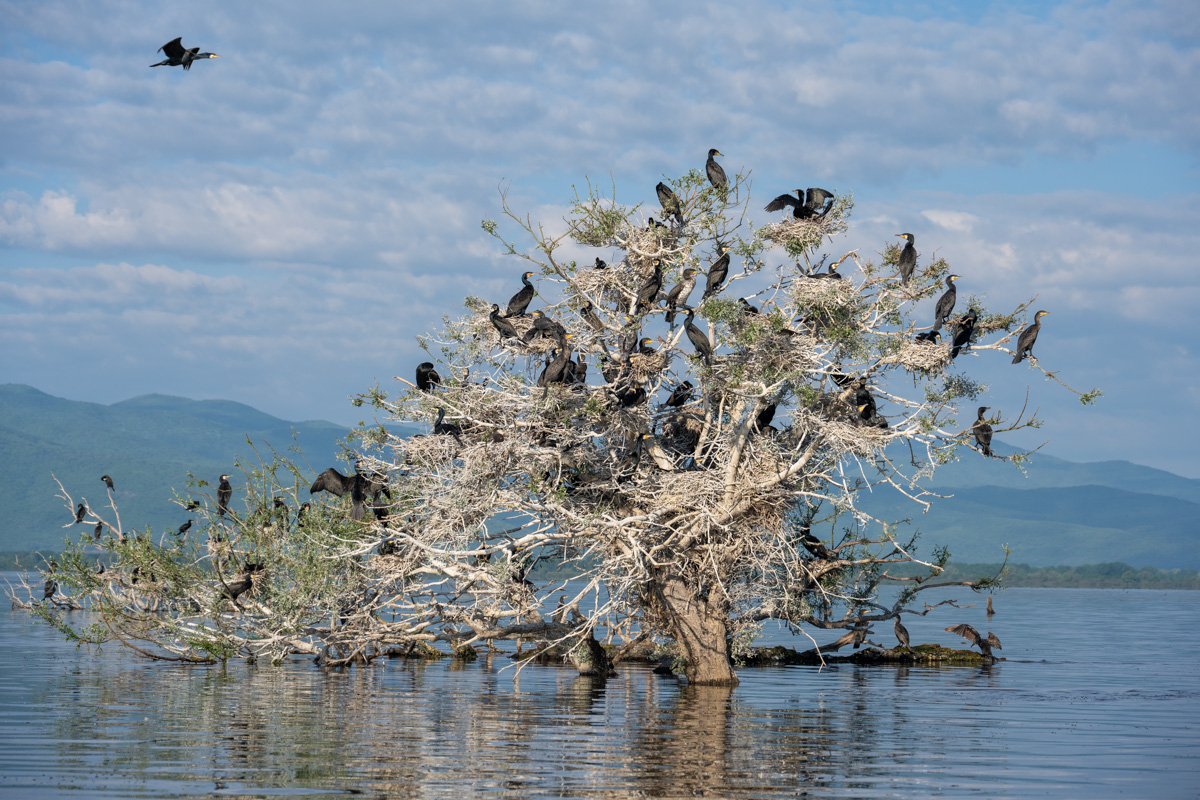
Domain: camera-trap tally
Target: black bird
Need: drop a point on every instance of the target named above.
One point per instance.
(49, 589)
(945, 303)
(902, 634)
(697, 337)
(301, 511)
(356, 485)
(184, 528)
(763, 420)
(520, 301)
(814, 545)
(670, 202)
(557, 370)
(971, 635)
(632, 396)
(599, 264)
(829, 274)
(963, 333)
(192, 505)
(929, 337)
(588, 312)
(1028, 336)
(80, 511)
(577, 371)
(716, 175)
(543, 326)
(98, 532)
(241, 584)
(855, 637)
(863, 398)
(680, 396)
(678, 295)
(983, 434)
(908, 257)
(644, 347)
(717, 272)
(753, 311)
(427, 376)
(445, 428)
(649, 291)
(179, 56)
(107, 482)
(224, 494)
(800, 208)
(505, 328)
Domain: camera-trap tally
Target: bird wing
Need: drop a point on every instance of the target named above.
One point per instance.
(781, 202)
(993, 641)
(965, 631)
(330, 481)
(173, 49)
(817, 197)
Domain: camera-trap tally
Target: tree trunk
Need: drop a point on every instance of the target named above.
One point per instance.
(699, 626)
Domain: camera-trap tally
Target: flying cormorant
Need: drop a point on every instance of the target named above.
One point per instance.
(427, 376)
(520, 301)
(983, 432)
(1028, 338)
(908, 257)
(179, 56)
(716, 175)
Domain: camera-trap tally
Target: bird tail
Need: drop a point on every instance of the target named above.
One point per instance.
(1018, 358)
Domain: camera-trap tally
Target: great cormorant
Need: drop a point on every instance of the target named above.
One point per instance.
(855, 637)
(908, 257)
(717, 272)
(80, 511)
(556, 370)
(241, 584)
(945, 303)
(107, 482)
(599, 264)
(670, 202)
(901, 634)
(763, 420)
(649, 291)
(445, 428)
(49, 589)
(680, 395)
(801, 209)
(1028, 338)
(179, 56)
(184, 528)
(427, 376)
(971, 635)
(928, 337)
(963, 333)
(983, 433)
(505, 328)
(98, 532)
(678, 295)
(224, 494)
(334, 482)
(520, 301)
(697, 337)
(542, 326)
(588, 312)
(716, 175)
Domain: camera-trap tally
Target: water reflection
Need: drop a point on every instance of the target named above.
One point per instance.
(1042, 724)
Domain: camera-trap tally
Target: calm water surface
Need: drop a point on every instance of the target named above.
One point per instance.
(1098, 698)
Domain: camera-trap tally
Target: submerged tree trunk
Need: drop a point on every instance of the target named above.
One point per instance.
(701, 628)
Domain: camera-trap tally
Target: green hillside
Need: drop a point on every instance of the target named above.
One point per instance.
(147, 444)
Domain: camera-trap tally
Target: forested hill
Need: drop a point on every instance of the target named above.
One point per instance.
(1055, 512)
(148, 445)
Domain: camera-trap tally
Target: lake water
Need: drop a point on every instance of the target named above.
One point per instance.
(1099, 698)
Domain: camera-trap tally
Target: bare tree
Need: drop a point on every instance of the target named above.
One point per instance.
(692, 479)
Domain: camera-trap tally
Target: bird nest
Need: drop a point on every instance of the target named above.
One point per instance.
(618, 284)
(921, 356)
(646, 244)
(647, 366)
(485, 332)
(802, 233)
(822, 292)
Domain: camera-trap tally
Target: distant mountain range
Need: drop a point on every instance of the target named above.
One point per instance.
(1056, 512)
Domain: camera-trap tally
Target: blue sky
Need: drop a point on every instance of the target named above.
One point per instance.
(276, 226)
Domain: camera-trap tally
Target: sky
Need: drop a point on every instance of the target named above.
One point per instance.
(278, 225)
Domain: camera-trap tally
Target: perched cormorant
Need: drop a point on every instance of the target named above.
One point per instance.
(963, 333)
(945, 303)
(678, 295)
(184, 528)
(356, 485)
(983, 434)
(763, 420)
(192, 505)
(107, 482)
(224, 494)
(862, 397)
(51, 586)
(697, 337)
(716, 175)
(520, 301)
(556, 370)
(812, 544)
(680, 396)
(599, 264)
(427, 376)
(908, 257)
(543, 326)
(179, 56)
(241, 584)
(829, 274)
(505, 328)
(670, 202)
(633, 395)
(801, 209)
(717, 272)
(649, 291)
(644, 348)
(971, 635)
(445, 428)
(1028, 337)
(928, 337)
(901, 634)
(753, 310)
(80, 511)
(588, 312)
(98, 532)
(855, 637)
